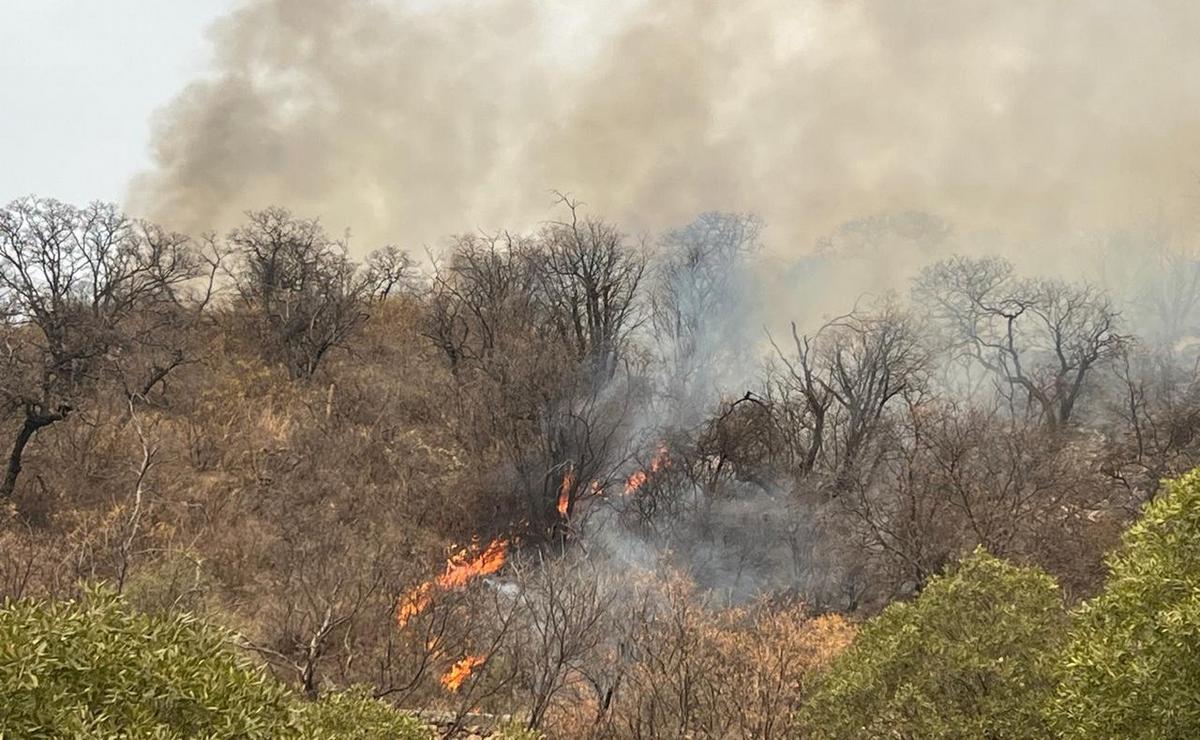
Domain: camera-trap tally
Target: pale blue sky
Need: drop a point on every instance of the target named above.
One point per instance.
(79, 82)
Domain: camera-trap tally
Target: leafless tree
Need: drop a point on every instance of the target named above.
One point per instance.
(565, 610)
(865, 237)
(388, 270)
(482, 294)
(1153, 429)
(590, 279)
(307, 294)
(532, 329)
(805, 379)
(699, 302)
(845, 376)
(1040, 338)
(871, 358)
(1156, 277)
(81, 289)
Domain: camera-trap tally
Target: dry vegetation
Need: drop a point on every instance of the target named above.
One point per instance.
(263, 431)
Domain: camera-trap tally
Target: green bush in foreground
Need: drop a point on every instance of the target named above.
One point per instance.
(354, 715)
(1132, 666)
(93, 668)
(973, 656)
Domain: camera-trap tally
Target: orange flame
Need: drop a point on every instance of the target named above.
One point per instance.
(661, 459)
(460, 671)
(413, 603)
(635, 482)
(564, 492)
(461, 569)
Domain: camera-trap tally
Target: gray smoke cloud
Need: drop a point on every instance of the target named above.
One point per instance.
(870, 137)
(407, 121)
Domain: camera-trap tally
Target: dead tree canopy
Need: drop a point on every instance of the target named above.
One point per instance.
(306, 294)
(572, 287)
(482, 300)
(841, 380)
(700, 300)
(1039, 338)
(590, 278)
(82, 291)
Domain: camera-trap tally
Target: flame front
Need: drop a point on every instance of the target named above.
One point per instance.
(460, 671)
(564, 492)
(461, 569)
(661, 459)
(413, 603)
(635, 482)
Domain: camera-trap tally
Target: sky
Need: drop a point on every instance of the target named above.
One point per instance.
(81, 81)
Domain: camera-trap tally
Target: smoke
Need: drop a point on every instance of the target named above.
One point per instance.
(870, 138)
(408, 121)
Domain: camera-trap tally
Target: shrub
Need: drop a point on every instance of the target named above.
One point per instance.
(354, 715)
(1132, 665)
(973, 656)
(92, 668)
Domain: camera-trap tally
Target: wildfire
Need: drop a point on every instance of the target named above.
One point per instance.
(461, 569)
(413, 603)
(638, 479)
(460, 671)
(564, 492)
(635, 482)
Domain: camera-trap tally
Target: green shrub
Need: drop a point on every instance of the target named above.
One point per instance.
(1132, 666)
(92, 668)
(354, 715)
(973, 656)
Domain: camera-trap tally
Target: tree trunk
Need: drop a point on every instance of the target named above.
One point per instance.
(33, 422)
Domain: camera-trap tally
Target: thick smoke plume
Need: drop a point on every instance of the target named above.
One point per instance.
(407, 121)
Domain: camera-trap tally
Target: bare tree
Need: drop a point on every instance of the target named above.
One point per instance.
(388, 270)
(1157, 278)
(871, 358)
(533, 330)
(846, 375)
(308, 296)
(81, 288)
(565, 609)
(590, 280)
(1040, 338)
(868, 236)
(482, 295)
(805, 378)
(1153, 429)
(699, 301)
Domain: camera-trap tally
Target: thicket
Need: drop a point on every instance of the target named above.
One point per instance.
(563, 475)
(989, 650)
(92, 668)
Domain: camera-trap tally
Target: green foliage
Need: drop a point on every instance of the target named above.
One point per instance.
(92, 668)
(973, 656)
(1132, 666)
(354, 715)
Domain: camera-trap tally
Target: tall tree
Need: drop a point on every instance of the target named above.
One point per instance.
(82, 288)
